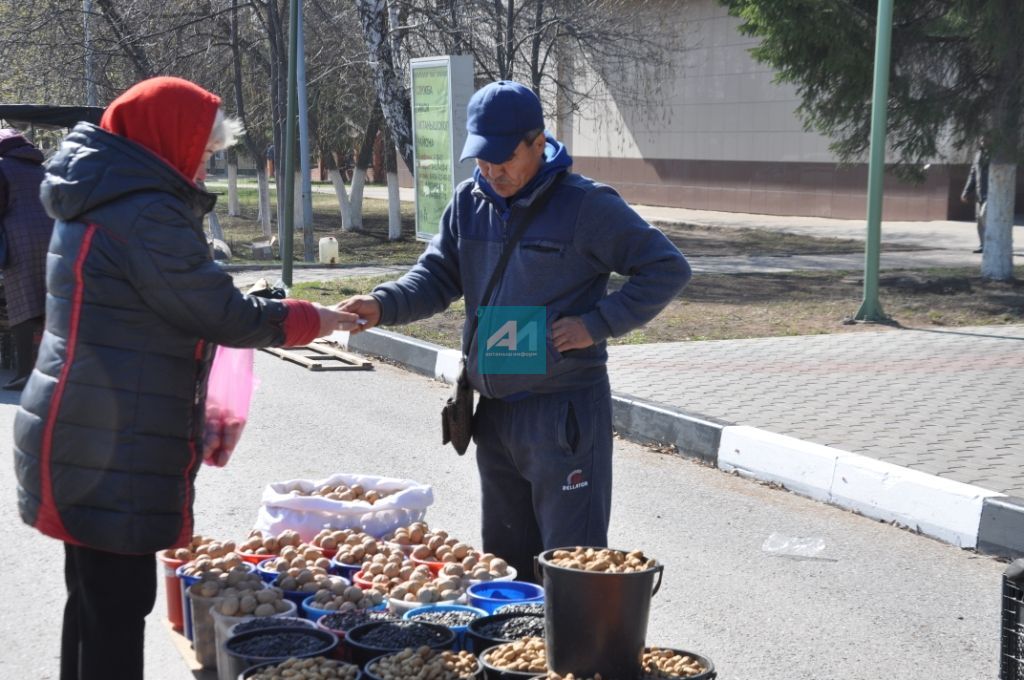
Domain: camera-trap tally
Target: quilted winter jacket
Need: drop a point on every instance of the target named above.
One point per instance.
(27, 228)
(562, 263)
(108, 435)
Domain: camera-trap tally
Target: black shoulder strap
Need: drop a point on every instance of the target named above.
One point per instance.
(524, 221)
(3, 189)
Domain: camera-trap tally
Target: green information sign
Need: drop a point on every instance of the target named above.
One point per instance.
(432, 146)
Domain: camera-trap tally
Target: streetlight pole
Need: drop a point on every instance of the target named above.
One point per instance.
(288, 239)
(90, 79)
(870, 309)
(308, 246)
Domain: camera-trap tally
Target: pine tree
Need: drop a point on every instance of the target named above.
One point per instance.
(956, 82)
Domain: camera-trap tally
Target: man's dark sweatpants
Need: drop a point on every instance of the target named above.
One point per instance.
(545, 467)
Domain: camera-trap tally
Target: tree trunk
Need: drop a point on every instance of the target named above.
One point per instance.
(363, 160)
(344, 207)
(255, 146)
(264, 185)
(233, 209)
(278, 100)
(394, 208)
(499, 43)
(394, 199)
(535, 66)
(1008, 95)
(510, 41)
(997, 260)
(358, 182)
(391, 91)
(297, 194)
(131, 45)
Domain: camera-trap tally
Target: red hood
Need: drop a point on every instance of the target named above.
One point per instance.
(169, 116)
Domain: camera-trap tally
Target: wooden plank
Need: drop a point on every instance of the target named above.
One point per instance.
(321, 356)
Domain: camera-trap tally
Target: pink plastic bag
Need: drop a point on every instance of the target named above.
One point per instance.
(228, 393)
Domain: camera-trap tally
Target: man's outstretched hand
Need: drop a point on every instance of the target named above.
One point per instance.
(365, 307)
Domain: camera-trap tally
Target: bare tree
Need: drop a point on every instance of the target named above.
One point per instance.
(391, 90)
(530, 40)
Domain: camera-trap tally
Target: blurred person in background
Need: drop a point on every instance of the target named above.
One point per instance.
(27, 229)
(976, 191)
(109, 435)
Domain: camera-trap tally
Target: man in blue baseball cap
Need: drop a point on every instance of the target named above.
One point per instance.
(543, 425)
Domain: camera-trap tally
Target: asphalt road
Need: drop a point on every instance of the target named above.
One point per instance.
(883, 603)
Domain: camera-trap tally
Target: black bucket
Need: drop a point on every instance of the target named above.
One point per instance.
(596, 622)
(363, 649)
(479, 637)
(263, 645)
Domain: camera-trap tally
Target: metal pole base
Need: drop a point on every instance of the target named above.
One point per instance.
(870, 312)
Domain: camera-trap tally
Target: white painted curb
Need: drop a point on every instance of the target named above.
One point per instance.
(937, 507)
(447, 366)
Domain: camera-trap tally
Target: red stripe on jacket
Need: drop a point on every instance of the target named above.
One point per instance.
(302, 325)
(185, 535)
(48, 520)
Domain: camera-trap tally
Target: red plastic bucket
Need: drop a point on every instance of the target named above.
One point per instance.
(172, 589)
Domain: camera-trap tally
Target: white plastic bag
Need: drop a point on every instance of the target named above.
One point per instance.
(282, 507)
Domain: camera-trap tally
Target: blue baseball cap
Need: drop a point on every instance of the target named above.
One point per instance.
(498, 117)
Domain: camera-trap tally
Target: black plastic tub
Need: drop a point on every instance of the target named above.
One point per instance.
(480, 634)
(263, 645)
(379, 638)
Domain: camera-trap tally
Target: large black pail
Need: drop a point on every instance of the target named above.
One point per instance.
(596, 622)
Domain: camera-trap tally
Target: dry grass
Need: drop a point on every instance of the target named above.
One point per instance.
(730, 306)
(713, 306)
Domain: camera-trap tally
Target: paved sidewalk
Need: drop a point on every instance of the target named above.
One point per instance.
(919, 427)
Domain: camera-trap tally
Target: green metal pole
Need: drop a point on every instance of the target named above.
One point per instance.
(288, 239)
(870, 308)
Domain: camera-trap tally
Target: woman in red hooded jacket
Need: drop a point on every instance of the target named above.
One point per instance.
(110, 429)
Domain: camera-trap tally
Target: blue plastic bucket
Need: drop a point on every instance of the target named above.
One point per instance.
(489, 595)
(297, 596)
(346, 570)
(267, 575)
(186, 604)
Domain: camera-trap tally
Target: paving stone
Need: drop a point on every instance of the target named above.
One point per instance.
(919, 399)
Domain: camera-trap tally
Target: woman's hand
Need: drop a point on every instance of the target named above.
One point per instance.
(366, 307)
(333, 320)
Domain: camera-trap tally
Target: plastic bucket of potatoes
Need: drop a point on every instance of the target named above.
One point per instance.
(234, 593)
(171, 560)
(172, 588)
(199, 569)
(597, 603)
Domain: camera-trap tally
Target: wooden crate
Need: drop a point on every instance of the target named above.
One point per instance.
(321, 356)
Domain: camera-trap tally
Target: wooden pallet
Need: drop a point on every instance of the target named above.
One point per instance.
(321, 356)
